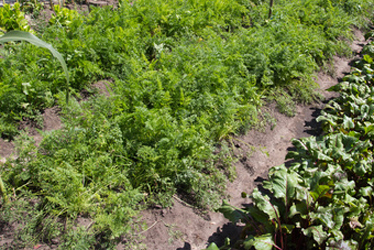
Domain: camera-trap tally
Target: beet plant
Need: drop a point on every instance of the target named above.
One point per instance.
(324, 199)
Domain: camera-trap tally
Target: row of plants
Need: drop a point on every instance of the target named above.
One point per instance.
(324, 200)
(186, 75)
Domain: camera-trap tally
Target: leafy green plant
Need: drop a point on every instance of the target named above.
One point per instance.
(285, 214)
(33, 7)
(320, 201)
(24, 36)
(12, 18)
(12, 36)
(324, 199)
(185, 76)
(3, 191)
(63, 16)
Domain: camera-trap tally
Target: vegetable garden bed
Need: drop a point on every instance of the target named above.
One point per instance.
(186, 75)
(324, 200)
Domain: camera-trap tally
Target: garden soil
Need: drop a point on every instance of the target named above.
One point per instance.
(183, 227)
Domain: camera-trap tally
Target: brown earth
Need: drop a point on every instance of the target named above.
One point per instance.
(183, 227)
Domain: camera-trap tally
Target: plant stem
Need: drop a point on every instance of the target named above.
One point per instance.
(271, 8)
(279, 224)
(3, 191)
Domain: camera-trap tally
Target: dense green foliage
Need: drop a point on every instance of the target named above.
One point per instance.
(12, 18)
(17, 35)
(186, 74)
(324, 200)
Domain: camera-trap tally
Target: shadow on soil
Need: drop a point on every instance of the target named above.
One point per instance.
(228, 230)
(187, 246)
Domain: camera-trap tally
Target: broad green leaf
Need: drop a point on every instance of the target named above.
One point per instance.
(303, 168)
(348, 123)
(338, 87)
(368, 58)
(366, 191)
(327, 118)
(301, 148)
(348, 141)
(264, 204)
(342, 245)
(323, 157)
(338, 217)
(212, 246)
(368, 232)
(351, 200)
(16, 35)
(300, 208)
(330, 217)
(368, 128)
(282, 182)
(231, 213)
(324, 216)
(336, 233)
(355, 134)
(249, 242)
(262, 242)
(317, 233)
(343, 186)
(318, 178)
(292, 155)
(299, 144)
(338, 150)
(259, 216)
(319, 191)
(362, 167)
(365, 112)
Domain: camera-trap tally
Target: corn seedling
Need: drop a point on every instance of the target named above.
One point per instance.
(16, 35)
(271, 8)
(3, 192)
